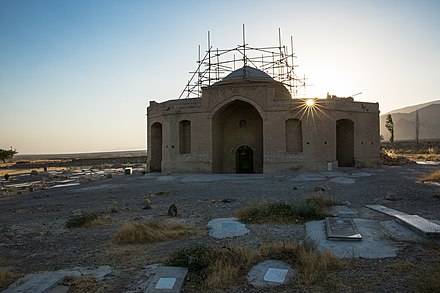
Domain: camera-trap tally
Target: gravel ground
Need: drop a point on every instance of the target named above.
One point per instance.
(33, 236)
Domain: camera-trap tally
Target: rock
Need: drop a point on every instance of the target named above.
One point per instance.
(393, 197)
(108, 175)
(318, 189)
(227, 200)
(34, 172)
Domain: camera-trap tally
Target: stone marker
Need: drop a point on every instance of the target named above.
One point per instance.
(270, 273)
(341, 229)
(166, 283)
(226, 227)
(421, 225)
(167, 279)
(384, 210)
(275, 275)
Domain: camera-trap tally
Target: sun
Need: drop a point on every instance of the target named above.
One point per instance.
(310, 102)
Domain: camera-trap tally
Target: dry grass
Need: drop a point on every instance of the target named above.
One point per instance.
(82, 284)
(314, 265)
(6, 278)
(322, 200)
(228, 265)
(219, 268)
(287, 252)
(433, 177)
(153, 231)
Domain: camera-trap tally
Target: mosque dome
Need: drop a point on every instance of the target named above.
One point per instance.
(247, 72)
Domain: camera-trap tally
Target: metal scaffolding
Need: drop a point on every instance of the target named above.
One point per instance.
(277, 62)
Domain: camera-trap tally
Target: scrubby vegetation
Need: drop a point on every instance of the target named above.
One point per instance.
(214, 267)
(84, 220)
(6, 278)
(153, 231)
(299, 212)
(82, 284)
(432, 177)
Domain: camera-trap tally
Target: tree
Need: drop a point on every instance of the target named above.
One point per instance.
(389, 124)
(7, 154)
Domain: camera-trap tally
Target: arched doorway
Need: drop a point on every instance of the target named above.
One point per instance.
(156, 147)
(235, 125)
(244, 160)
(345, 143)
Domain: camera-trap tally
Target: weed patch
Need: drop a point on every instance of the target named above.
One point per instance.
(219, 268)
(433, 177)
(153, 231)
(82, 284)
(299, 212)
(6, 278)
(85, 220)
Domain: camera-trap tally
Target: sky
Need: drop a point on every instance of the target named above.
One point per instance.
(77, 76)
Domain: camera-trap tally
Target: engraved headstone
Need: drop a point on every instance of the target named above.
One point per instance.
(341, 229)
(275, 275)
(166, 283)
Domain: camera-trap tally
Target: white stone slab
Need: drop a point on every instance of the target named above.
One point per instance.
(343, 180)
(309, 177)
(384, 210)
(270, 273)
(64, 185)
(275, 275)
(166, 283)
(167, 279)
(226, 227)
(373, 244)
(420, 224)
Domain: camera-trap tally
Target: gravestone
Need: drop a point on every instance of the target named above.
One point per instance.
(341, 229)
(270, 273)
(167, 279)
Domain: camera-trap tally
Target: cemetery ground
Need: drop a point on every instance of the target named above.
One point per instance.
(86, 218)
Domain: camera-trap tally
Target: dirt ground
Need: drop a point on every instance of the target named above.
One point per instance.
(34, 237)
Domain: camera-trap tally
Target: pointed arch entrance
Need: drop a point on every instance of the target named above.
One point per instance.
(237, 139)
(345, 142)
(156, 147)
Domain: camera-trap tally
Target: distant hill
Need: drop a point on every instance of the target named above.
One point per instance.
(405, 122)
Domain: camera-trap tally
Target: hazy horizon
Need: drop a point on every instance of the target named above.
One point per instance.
(77, 76)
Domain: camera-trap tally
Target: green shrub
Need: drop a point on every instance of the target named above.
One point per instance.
(82, 220)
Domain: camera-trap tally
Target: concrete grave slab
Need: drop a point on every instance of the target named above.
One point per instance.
(64, 185)
(167, 279)
(309, 177)
(226, 227)
(343, 180)
(384, 210)
(341, 229)
(421, 225)
(48, 282)
(270, 273)
(373, 244)
(343, 212)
